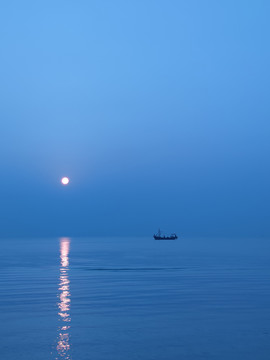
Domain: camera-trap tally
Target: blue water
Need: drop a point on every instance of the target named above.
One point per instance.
(134, 298)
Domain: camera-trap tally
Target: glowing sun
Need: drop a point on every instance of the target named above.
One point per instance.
(65, 180)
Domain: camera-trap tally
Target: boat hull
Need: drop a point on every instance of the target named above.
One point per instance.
(165, 237)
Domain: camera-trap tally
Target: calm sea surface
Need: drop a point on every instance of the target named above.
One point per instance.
(134, 298)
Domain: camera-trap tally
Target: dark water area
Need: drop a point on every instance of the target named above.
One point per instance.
(134, 298)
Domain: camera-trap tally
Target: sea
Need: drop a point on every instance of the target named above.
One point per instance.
(134, 298)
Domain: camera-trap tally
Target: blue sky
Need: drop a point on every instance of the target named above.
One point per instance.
(158, 111)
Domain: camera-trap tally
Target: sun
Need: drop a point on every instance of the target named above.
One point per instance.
(65, 180)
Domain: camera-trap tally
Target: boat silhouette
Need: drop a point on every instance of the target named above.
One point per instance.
(159, 236)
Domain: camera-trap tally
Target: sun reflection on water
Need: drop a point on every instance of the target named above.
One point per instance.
(63, 341)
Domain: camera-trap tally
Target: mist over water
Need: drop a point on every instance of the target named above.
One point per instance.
(158, 114)
(136, 298)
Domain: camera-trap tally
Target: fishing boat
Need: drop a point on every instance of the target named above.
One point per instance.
(159, 236)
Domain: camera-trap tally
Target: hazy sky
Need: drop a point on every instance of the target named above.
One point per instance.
(158, 111)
